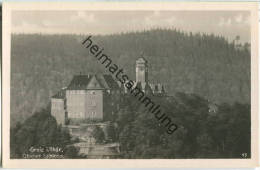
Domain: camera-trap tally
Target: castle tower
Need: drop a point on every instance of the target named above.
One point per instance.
(141, 71)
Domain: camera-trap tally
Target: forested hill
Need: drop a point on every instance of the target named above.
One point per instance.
(207, 65)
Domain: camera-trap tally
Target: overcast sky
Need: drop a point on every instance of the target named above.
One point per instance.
(225, 23)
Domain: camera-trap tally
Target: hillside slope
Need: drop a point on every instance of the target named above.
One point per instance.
(207, 65)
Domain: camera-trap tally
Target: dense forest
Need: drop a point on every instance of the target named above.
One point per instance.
(223, 132)
(206, 65)
(40, 131)
(207, 81)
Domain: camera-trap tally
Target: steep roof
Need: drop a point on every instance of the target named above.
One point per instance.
(80, 82)
(102, 81)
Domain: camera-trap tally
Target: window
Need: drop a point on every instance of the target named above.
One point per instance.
(92, 103)
(93, 114)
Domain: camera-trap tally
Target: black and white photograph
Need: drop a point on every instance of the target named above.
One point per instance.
(131, 84)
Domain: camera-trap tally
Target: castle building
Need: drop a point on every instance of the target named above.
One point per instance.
(84, 99)
(142, 79)
(91, 101)
(97, 97)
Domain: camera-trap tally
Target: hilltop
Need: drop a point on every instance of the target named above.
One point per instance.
(206, 65)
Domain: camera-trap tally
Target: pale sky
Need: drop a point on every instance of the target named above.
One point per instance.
(225, 23)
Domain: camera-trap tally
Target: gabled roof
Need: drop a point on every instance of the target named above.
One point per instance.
(81, 82)
(95, 83)
(102, 81)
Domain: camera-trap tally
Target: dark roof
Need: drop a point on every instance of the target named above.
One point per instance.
(111, 82)
(60, 94)
(80, 82)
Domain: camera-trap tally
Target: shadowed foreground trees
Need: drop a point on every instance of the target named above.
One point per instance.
(202, 133)
(222, 133)
(39, 130)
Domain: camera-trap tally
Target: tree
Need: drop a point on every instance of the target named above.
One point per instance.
(98, 134)
(71, 152)
(112, 133)
(39, 130)
(53, 67)
(225, 134)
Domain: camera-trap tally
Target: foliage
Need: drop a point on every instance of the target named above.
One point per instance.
(71, 152)
(98, 134)
(201, 134)
(39, 130)
(112, 133)
(190, 63)
(201, 64)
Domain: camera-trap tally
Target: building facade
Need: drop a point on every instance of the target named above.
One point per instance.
(58, 105)
(97, 97)
(83, 100)
(91, 101)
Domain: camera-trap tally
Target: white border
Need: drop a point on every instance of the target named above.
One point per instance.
(128, 163)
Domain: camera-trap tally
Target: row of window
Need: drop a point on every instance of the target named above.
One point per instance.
(75, 104)
(90, 103)
(92, 92)
(57, 106)
(76, 115)
(92, 97)
(81, 115)
(79, 92)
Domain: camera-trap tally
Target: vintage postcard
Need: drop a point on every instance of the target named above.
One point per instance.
(130, 84)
